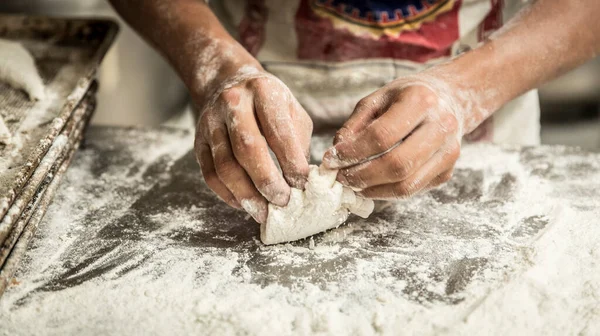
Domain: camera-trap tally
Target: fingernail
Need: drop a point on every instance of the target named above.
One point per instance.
(255, 210)
(262, 216)
(298, 179)
(235, 203)
(277, 193)
(331, 159)
(281, 199)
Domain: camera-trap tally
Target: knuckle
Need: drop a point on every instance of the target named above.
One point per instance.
(381, 137)
(363, 103)
(446, 177)
(260, 84)
(454, 151)
(449, 123)
(231, 95)
(405, 189)
(428, 98)
(245, 144)
(419, 95)
(341, 135)
(226, 169)
(401, 167)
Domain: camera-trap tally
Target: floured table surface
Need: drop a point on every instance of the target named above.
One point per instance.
(135, 243)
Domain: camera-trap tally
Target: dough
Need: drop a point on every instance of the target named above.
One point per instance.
(17, 68)
(323, 205)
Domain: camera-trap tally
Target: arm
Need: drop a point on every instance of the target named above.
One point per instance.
(244, 111)
(406, 137)
(190, 37)
(543, 41)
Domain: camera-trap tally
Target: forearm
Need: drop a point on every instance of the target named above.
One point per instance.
(189, 36)
(545, 40)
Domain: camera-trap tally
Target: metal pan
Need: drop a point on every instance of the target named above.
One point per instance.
(67, 54)
(12, 224)
(38, 192)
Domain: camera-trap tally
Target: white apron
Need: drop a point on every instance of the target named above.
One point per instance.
(332, 53)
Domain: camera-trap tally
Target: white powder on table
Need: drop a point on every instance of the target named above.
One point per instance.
(132, 246)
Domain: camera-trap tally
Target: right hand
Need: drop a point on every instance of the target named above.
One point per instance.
(249, 113)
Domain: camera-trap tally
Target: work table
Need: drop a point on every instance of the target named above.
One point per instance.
(135, 242)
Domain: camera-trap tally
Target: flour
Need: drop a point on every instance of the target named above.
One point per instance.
(558, 294)
(32, 128)
(39, 113)
(38, 176)
(323, 205)
(509, 245)
(17, 68)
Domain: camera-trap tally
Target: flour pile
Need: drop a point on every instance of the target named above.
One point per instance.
(17, 68)
(324, 204)
(135, 243)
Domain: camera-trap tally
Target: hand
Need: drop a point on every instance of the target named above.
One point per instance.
(250, 112)
(401, 139)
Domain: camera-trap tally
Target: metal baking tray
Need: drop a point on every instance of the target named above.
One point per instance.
(18, 216)
(67, 54)
(17, 242)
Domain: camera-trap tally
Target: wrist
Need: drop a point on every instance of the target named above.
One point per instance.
(477, 84)
(220, 60)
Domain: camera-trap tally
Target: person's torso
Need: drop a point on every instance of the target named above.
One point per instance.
(331, 53)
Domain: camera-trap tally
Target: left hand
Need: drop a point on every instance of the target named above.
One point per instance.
(401, 139)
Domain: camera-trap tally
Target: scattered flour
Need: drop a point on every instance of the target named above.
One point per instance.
(6, 223)
(509, 246)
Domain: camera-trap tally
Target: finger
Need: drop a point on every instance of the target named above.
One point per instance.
(442, 161)
(274, 113)
(210, 175)
(382, 134)
(398, 164)
(440, 179)
(234, 177)
(304, 128)
(251, 150)
(366, 110)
